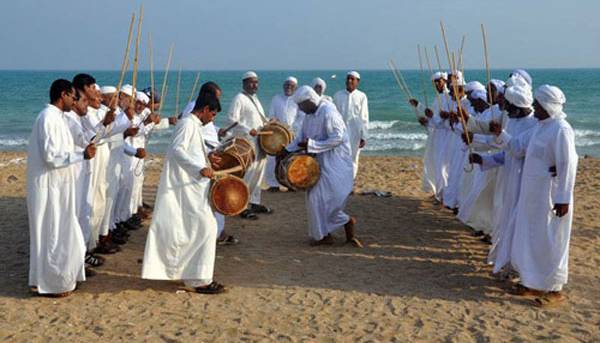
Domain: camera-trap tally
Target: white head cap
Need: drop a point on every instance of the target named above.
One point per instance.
(141, 96)
(519, 96)
(474, 86)
(525, 75)
(460, 80)
(249, 74)
(108, 89)
(516, 80)
(306, 93)
(479, 94)
(354, 74)
(319, 81)
(292, 80)
(127, 89)
(439, 75)
(552, 99)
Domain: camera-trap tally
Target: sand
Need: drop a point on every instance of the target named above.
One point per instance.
(421, 277)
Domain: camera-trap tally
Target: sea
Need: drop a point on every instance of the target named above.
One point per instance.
(393, 129)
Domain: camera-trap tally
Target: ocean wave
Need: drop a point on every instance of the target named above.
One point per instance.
(382, 125)
(409, 136)
(415, 146)
(586, 133)
(13, 141)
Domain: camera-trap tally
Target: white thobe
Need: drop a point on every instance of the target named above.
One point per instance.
(249, 115)
(508, 185)
(328, 139)
(57, 247)
(457, 157)
(284, 110)
(354, 109)
(540, 248)
(182, 237)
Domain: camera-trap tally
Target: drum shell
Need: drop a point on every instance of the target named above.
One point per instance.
(229, 195)
(281, 136)
(234, 152)
(298, 171)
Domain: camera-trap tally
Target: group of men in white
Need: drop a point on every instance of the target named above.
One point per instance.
(85, 174)
(502, 157)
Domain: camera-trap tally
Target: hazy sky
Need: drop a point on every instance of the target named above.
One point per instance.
(303, 34)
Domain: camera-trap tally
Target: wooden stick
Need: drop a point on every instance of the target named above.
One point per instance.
(487, 64)
(150, 52)
(460, 59)
(439, 98)
(194, 88)
(401, 79)
(163, 90)
(177, 91)
(437, 57)
(462, 120)
(125, 63)
(228, 171)
(446, 45)
(136, 55)
(229, 128)
(264, 133)
(400, 85)
(421, 74)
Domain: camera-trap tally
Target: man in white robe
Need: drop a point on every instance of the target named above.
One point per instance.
(324, 134)
(247, 112)
(284, 110)
(544, 214)
(57, 247)
(182, 237)
(354, 108)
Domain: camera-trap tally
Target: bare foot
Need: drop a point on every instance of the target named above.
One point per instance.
(327, 240)
(350, 233)
(550, 299)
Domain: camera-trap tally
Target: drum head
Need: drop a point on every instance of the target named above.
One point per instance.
(229, 195)
(274, 143)
(303, 172)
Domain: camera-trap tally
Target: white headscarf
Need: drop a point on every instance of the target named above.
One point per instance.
(519, 96)
(319, 81)
(306, 93)
(479, 94)
(516, 80)
(249, 74)
(552, 99)
(292, 80)
(439, 75)
(354, 74)
(499, 84)
(525, 75)
(141, 96)
(460, 80)
(474, 86)
(128, 89)
(108, 89)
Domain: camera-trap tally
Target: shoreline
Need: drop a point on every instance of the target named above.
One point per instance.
(422, 276)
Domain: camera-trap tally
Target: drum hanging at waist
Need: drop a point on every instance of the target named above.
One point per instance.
(273, 137)
(236, 151)
(298, 171)
(229, 195)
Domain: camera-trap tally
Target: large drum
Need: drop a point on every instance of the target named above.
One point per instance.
(273, 137)
(229, 195)
(236, 151)
(298, 171)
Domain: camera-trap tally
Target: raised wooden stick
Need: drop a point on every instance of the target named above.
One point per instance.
(487, 64)
(462, 120)
(439, 98)
(194, 88)
(460, 54)
(137, 48)
(150, 53)
(437, 57)
(397, 78)
(163, 90)
(177, 91)
(446, 45)
(228, 171)
(402, 84)
(422, 75)
(401, 79)
(125, 58)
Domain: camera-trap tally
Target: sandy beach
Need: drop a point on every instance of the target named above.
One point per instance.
(422, 276)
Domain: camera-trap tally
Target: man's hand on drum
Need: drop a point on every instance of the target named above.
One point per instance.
(253, 132)
(215, 160)
(207, 172)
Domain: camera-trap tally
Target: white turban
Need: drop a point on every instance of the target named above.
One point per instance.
(479, 94)
(439, 75)
(320, 82)
(354, 74)
(499, 84)
(108, 89)
(249, 74)
(519, 96)
(141, 96)
(552, 99)
(525, 75)
(460, 80)
(127, 89)
(292, 80)
(306, 93)
(474, 86)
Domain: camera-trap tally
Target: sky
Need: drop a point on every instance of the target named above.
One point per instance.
(298, 35)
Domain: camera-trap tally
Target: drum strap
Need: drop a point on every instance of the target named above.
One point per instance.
(262, 115)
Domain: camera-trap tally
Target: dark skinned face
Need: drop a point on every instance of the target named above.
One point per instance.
(80, 106)
(351, 83)
(206, 115)
(289, 88)
(439, 85)
(479, 105)
(539, 112)
(516, 112)
(493, 95)
(250, 85)
(68, 100)
(318, 89)
(307, 107)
